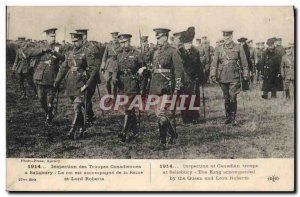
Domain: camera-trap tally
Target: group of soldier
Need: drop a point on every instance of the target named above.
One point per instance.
(163, 69)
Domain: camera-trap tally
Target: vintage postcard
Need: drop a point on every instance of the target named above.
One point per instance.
(150, 98)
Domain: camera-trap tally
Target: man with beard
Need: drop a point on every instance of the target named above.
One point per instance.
(90, 115)
(270, 69)
(129, 62)
(79, 69)
(228, 68)
(48, 58)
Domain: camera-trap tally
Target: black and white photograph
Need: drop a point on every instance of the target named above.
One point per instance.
(137, 82)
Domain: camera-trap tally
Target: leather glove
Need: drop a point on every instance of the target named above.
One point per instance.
(55, 84)
(141, 71)
(83, 88)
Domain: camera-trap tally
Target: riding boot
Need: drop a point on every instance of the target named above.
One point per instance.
(49, 115)
(133, 126)
(124, 131)
(233, 113)
(162, 124)
(81, 125)
(227, 113)
(71, 133)
(172, 132)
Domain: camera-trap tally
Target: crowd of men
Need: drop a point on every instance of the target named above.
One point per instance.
(165, 68)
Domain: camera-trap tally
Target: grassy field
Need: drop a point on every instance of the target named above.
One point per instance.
(266, 130)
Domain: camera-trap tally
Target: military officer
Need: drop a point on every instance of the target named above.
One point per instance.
(251, 63)
(228, 67)
(147, 55)
(129, 62)
(21, 67)
(109, 65)
(244, 43)
(166, 80)
(177, 42)
(287, 70)
(205, 56)
(270, 69)
(94, 50)
(219, 43)
(79, 69)
(258, 58)
(193, 76)
(48, 59)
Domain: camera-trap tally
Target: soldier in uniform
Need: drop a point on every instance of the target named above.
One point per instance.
(193, 76)
(147, 55)
(205, 56)
(251, 63)
(48, 58)
(95, 52)
(243, 42)
(21, 67)
(270, 69)
(166, 80)
(79, 69)
(177, 42)
(109, 65)
(129, 63)
(219, 43)
(258, 58)
(287, 70)
(228, 68)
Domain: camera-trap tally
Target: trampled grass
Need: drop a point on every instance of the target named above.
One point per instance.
(266, 130)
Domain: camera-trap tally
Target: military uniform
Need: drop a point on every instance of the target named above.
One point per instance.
(80, 69)
(205, 57)
(22, 68)
(229, 64)
(129, 62)
(258, 58)
(47, 66)
(110, 66)
(288, 72)
(147, 56)
(270, 70)
(94, 52)
(251, 61)
(166, 77)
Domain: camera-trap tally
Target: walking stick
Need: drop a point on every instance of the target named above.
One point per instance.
(85, 109)
(203, 100)
(242, 91)
(56, 106)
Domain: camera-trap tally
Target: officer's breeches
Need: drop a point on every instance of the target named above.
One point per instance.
(230, 91)
(46, 95)
(89, 102)
(111, 79)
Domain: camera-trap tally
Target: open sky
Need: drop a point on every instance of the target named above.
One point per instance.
(257, 23)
